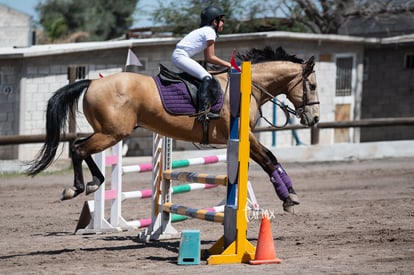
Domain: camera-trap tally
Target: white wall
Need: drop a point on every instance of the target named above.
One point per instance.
(15, 28)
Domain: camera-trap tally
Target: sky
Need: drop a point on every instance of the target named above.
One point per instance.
(28, 7)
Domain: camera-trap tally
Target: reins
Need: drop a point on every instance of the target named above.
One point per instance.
(285, 108)
(298, 112)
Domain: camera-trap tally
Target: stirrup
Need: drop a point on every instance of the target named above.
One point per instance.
(207, 116)
(213, 116)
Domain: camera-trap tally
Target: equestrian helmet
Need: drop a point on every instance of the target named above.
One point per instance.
(209, 14)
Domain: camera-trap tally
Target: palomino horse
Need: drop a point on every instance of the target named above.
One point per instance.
(117, 104)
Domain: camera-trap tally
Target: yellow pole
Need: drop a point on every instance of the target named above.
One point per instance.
(241, 250)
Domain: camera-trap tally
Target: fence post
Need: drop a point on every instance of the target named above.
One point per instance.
(314, 135)
(72, 117)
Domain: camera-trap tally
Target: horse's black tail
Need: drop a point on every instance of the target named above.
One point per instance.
(59, 107)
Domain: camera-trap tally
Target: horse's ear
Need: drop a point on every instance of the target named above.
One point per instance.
(309, 66)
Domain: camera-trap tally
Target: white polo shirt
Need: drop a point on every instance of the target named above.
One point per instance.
(196, 41)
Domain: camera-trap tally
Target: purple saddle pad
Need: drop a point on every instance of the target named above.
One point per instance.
(177, 100)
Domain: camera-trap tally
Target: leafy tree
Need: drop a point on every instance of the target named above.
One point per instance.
(317, 16)
(100, 19)
(328, 16)
(180, 17)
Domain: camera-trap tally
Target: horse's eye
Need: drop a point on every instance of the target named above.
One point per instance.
(312, 87)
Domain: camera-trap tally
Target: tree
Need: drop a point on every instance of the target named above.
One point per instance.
(328, 16)
(100, 19)
(316, 16)
(180, 17)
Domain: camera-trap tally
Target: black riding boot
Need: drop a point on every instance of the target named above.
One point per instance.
(203, 98)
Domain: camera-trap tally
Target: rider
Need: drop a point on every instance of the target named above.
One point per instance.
(201, 39)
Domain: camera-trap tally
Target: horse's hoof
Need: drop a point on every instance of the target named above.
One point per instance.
(289, 209)
(91, 189)
(294, 198)
(288, 205)
(68, 193)
(92, 186)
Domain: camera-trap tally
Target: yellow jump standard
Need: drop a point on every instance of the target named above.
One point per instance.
(233, 246)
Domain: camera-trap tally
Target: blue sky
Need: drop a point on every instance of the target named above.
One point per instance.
(28, 6)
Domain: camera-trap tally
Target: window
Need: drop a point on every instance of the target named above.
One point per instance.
(409, 61)
(80, 72)
(76, 72)
(344, 76)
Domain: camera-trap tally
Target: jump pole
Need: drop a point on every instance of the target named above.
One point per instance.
(162, 188)
(161, 225)
(92, 218)
(233, 246)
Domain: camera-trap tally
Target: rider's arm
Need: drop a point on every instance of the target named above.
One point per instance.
(211, 57)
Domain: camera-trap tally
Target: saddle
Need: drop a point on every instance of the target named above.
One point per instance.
(192, 84)
(179, 95)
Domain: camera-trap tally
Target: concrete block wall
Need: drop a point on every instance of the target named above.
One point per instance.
(9, 100)
(15, 28)
(9, 107)
(388, 92)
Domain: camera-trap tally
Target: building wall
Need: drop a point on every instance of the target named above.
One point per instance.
(38, 75)
(9, 105)
(388, 91)
(15, 28)
(15, 31)
(42, 77)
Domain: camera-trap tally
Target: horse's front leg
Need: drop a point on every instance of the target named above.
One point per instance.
(278, 176)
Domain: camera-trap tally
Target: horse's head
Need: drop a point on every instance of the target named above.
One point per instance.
(277, 72)
(302, 92)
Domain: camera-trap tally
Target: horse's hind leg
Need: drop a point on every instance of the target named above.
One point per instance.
(78, 183)
(97, 177)
(82, 150)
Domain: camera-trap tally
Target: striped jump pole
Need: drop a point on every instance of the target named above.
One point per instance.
(175, 217)
(180, 215)
(142, 223)
(163, 176)
(195, 177)
(93, 219)
(147, 167)
(177, 189)
(202, 214)
(89, 208)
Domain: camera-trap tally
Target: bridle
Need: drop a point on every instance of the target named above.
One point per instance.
(298, 111)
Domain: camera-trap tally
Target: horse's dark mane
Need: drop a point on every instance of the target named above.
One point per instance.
(268, 54)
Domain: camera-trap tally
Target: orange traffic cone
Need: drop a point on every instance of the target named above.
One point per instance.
(265, 249)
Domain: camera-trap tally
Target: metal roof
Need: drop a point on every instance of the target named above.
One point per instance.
(57, 49)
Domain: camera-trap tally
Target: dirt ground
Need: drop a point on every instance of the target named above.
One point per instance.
(355, 217)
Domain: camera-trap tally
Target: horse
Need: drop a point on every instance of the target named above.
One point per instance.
(117, 104)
